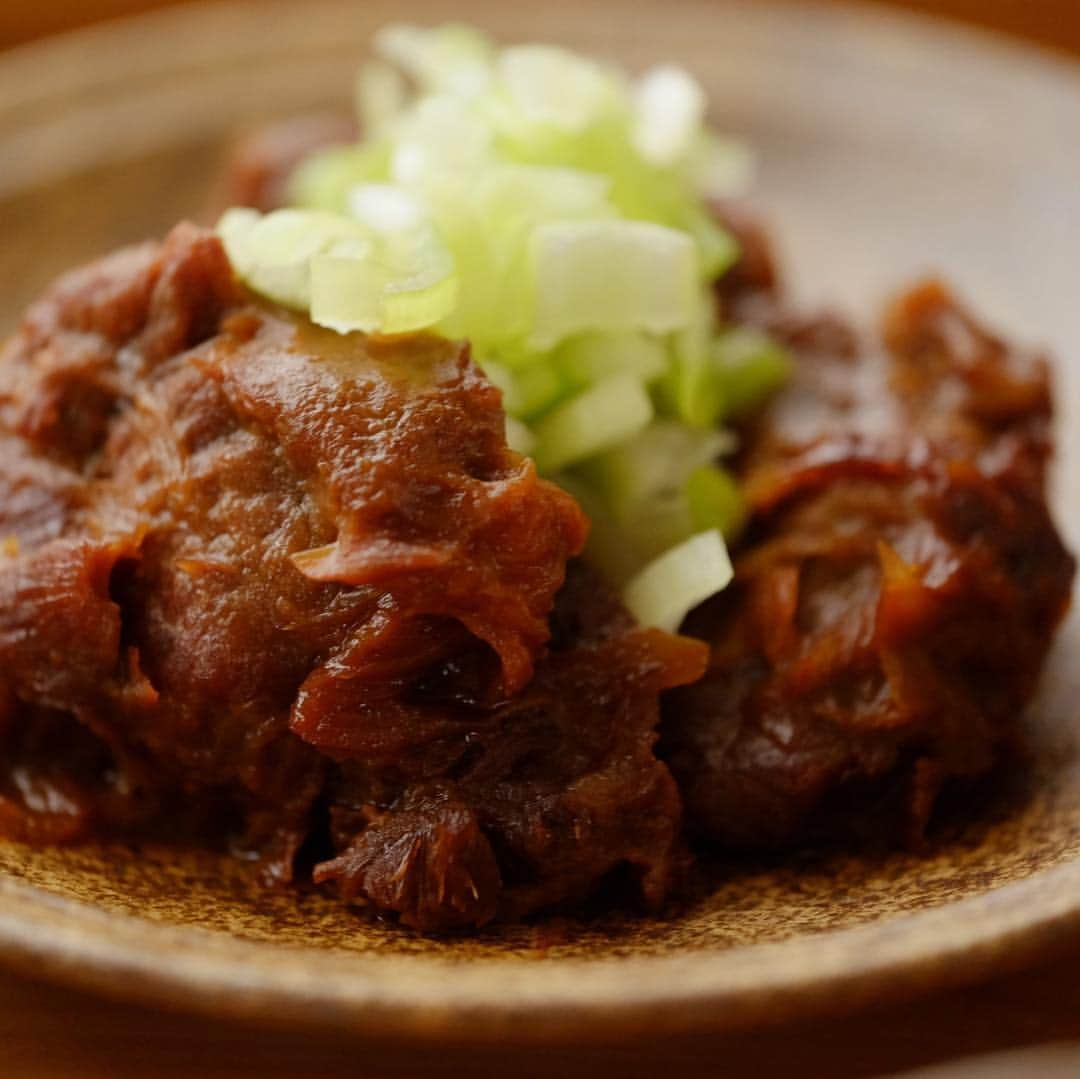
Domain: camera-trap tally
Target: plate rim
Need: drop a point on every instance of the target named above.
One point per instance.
(136, 959)
(123, 955)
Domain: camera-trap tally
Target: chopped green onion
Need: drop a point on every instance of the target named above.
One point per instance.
(386, 209)
(347, 293)
(350, 276)
(594, 356)
(660, 488)
(419, 302)
(609, 549)
(605, 415)
(323, 182)
(751, 366)
(527, 391)
(356, 293)
(439, 135)
(273, 253)
(719, 249)
(714, 501)
(670, 107)
(555, 213)
(519, 438)
(695, 392)
(454, 57)
(530, 194)
(611, 276)
(654, 465)
(671, 586)
(548, 85)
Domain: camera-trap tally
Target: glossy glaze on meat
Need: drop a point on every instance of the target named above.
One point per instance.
(283, 588)
(271, 588)
(898, 587)
(555, 788)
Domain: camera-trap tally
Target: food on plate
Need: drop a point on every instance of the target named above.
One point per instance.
(381, 535)
(271, 581)
(897, 588)
(556, 215)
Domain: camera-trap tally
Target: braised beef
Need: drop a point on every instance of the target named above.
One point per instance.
(538, 798)
(897, 589)
(268, 586)
(273, 576)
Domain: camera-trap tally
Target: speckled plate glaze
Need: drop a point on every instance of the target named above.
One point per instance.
(889, 147)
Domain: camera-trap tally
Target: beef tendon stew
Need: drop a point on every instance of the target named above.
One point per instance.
(469, 523)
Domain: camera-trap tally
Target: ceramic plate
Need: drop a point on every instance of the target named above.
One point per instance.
(889, 147)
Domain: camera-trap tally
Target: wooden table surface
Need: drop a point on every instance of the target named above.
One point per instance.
(47, 1031)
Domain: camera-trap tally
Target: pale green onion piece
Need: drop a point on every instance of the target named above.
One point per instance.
(273, 253)
(234, 228)
(440, 135)
(487, 218)
(671, 586)
(527, 391)
(387, 208)
(751, 366)
(349, 293)
(531, 194)
(695, 390)
(548, 85)
(719, 249)
(604, 416)
(611, 276)
(518, 437)
(453, 58)
(464, 229)
(715, 501)
(609, 548)
(418, 303)
(653, 488)
(346, 293)
(347, 275)
(594, 356)
(540, 205)
(654, 465)
(669, 108)
(499, 375)
(323, 181)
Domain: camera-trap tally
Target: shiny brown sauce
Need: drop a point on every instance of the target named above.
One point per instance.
(288, 593)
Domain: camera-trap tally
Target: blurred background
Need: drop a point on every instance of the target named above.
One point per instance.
(1051, 22)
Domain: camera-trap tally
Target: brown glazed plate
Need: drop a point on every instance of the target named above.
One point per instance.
(889, 147)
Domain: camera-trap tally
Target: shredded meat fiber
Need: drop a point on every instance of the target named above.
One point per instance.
(262, 580)
(897, 589)
(265, 585)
